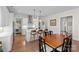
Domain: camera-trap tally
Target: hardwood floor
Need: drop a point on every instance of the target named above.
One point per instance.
(75, 46)
(21, 45)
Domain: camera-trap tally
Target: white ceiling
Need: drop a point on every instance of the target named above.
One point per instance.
(46, 10)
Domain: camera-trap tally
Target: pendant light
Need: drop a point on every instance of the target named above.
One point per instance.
(34, 13)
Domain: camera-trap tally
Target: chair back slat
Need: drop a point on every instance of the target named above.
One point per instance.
(42, 47)
(45, 33)
(67, 44)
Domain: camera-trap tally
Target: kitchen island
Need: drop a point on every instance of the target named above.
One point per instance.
(6, 37)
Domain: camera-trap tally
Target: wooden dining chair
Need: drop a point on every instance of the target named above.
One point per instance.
(70, 42)
(66, 45)
(40, 32)
(45, 33)
(42, 46)
(46, 30)
(50, 32)
(1, 50)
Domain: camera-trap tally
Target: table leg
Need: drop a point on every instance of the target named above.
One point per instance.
(55, 50)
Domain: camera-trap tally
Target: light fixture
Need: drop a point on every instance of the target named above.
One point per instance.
(40, 19)
(34, 13)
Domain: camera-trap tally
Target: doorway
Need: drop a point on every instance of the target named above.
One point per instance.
(66, 24)
(18, 26)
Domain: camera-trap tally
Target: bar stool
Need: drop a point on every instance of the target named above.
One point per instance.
(1, 50)
(33, 33)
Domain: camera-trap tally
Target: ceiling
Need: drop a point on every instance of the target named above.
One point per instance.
(45, 10)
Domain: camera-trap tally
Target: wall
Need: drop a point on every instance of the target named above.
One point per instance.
(11, 18)
(0, 16)
(75, 29)
(4, 16)
(6, 20)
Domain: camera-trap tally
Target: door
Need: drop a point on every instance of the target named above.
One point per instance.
(66, 25)
(18, 25)
(69, 24)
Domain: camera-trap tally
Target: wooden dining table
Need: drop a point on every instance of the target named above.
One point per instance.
(54, 41)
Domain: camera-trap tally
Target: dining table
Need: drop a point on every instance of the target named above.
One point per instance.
(54, 41)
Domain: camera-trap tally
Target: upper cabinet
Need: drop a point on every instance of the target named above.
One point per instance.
(4, 16)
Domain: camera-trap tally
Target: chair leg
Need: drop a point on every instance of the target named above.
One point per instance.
(45, 47)
(70, 49)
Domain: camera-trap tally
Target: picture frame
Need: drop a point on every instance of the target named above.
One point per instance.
(53, 22)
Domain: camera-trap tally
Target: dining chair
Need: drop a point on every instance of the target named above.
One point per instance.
(70, 42)
(42, 46)
(40, 32)
(45, 33)
(50, 32)
(1, 50)
(66, 45)
(46, 30)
